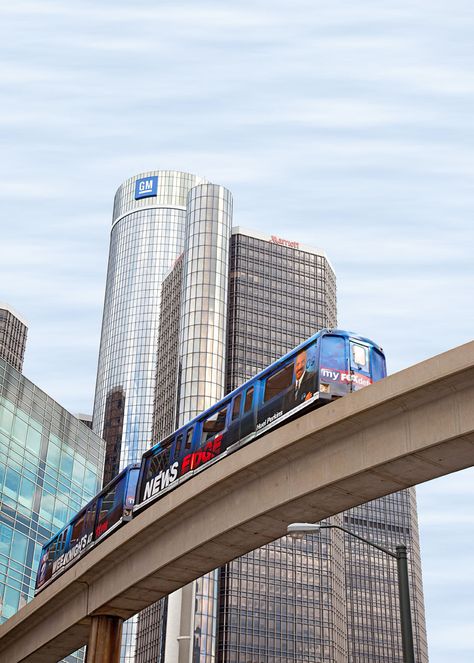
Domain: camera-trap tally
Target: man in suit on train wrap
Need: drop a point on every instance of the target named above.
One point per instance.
(303, 384)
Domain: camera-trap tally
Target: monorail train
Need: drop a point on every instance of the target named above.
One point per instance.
(330, 364)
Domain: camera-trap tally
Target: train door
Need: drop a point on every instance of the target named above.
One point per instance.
(359, 358)
(110, 507)
(247, 420)
(233, 431)
(133, 475)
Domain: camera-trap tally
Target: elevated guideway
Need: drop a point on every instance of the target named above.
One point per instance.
(411, 427)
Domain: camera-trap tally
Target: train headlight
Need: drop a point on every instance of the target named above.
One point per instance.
(324, 388)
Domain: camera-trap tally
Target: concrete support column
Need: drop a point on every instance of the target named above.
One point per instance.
(104, 639)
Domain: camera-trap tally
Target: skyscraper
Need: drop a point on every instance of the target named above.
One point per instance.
(228, 305)
(50, 466)
(13, 331)
(326, 599)
(152, 212)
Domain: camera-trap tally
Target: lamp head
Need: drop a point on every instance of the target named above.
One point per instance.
(299, 530)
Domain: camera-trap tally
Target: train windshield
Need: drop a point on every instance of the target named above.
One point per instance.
(360, 356)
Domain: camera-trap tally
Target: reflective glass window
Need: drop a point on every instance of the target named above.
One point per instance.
(178, 445)
(20, 429)
(215, 423)
(248, 400)
(19, 547)
(54, 455)
(76, 533)
(360, 355)
(160, 460)
(236, 407)
(189, 439)
(27, 491)
(6, 534)
(111, 507)
(33, 441)
(12, 483)
(278, 382)
(66, 464)
(6, 420)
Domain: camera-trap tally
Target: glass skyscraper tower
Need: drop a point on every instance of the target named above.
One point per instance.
(157, 215)
(218, 308)
(50, 466)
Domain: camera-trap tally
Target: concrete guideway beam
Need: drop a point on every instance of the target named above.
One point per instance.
(415, 425)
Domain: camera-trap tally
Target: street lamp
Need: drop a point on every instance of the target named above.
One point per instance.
(299, 530)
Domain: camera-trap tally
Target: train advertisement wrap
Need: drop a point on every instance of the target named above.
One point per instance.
(329, 365)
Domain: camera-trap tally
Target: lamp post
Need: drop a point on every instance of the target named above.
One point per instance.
(298, 531)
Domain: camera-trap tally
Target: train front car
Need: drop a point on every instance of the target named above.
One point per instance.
(348, 362)
(109, 509)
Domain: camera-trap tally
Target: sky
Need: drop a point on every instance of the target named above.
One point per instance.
(343, 125)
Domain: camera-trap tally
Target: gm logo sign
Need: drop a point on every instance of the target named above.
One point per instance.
(147, 186)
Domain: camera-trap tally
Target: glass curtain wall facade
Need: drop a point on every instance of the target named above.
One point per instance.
(50, 466)
(327, 598)
(150, 217)
(13, 332)
(276, 604)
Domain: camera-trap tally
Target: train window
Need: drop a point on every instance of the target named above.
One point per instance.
(178, 445)
(160, 461)
(214, 424)
(58, 545)
(278, 382)
(236, 407)
(248, 400)
(189, 439)
(89, 519)
(76, 534)
(360, 355)
(111, 507)
(53, 548)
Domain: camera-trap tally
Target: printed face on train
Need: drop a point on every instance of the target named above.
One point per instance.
(300, 365)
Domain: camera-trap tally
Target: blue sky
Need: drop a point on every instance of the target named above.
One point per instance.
(345, 125)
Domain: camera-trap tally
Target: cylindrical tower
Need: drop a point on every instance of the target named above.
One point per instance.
(203, 325)
(192, 611)
(148, 228)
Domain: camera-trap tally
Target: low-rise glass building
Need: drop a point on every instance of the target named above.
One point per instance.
(50, 465)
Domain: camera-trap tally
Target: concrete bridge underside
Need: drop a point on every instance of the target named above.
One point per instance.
(414, 426)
